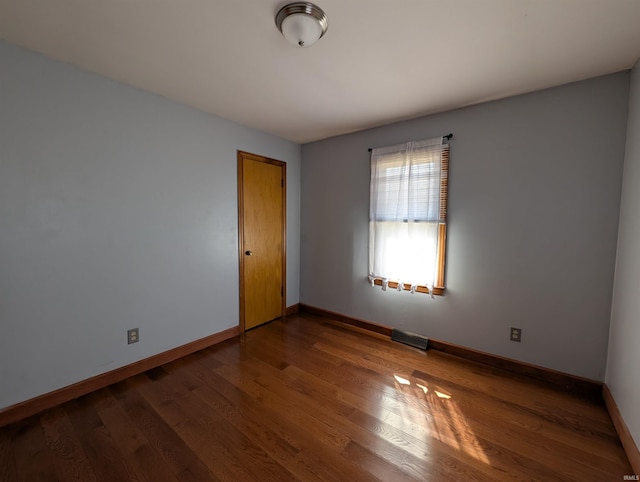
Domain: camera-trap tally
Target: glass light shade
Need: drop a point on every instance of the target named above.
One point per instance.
(301, 29)
(302, 23)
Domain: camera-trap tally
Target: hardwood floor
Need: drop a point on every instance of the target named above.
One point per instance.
(311, 399)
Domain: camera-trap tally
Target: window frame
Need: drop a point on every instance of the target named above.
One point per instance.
(439, 285)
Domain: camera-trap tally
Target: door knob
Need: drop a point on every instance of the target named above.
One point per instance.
(248, 253)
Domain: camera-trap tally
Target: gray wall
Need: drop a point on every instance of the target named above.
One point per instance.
(118, 209)
(534, 195)
(623, 365)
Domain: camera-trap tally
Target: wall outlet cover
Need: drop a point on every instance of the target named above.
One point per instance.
(516, 334)
(133, 336)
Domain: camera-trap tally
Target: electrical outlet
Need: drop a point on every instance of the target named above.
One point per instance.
(133, 336)
(516, 334)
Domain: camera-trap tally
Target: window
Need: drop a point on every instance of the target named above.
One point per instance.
(407, 216)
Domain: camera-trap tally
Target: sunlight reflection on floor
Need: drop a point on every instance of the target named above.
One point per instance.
(402, 381)
(422, 415)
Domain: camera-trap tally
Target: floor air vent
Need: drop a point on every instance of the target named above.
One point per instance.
(410, 339)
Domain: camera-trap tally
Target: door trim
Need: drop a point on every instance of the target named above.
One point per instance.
(255, 157)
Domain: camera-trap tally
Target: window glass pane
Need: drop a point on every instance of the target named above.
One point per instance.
(406, 250)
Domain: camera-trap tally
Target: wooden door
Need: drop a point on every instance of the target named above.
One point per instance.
(261, 224)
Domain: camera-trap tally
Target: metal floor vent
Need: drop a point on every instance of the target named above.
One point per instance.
(410, 339)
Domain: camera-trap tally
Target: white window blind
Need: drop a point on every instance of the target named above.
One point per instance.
(407, 213)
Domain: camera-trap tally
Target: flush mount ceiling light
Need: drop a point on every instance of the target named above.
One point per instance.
(302, 23)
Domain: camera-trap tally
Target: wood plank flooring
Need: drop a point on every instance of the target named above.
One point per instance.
(311, 399)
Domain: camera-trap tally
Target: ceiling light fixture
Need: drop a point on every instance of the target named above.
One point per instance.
(302, 23)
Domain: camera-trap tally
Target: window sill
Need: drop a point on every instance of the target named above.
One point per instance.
(438, 291)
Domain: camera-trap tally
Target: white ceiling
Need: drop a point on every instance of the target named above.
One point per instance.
(380, 61)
